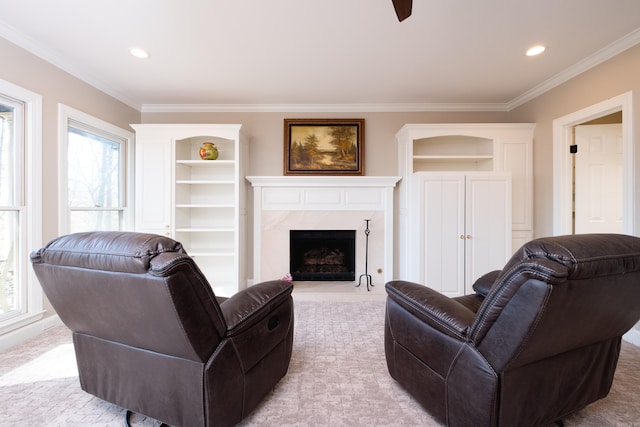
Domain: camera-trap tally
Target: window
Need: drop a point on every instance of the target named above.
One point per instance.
(20, 201)
(95, 158)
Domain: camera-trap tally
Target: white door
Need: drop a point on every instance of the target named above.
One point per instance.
(153, 186)
(442, 223)
(488, 225)
(598, 179)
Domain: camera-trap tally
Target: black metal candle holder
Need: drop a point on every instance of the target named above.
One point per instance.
(366, 259)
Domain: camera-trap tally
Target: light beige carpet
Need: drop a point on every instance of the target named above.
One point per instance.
(337, 377)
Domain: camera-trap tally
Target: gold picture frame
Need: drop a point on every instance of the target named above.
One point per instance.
(324, 146)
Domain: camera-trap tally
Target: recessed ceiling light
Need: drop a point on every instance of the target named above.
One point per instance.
(535, 50)
(139, 53)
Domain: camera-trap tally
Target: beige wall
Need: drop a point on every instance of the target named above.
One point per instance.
(612, 78)
(56, 86)
(266, 131)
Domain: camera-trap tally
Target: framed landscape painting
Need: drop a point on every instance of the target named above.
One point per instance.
(324, 146)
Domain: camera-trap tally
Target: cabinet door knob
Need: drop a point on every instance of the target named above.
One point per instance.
(468, 236)
(462, 237)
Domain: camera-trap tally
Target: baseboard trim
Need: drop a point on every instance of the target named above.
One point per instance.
(27, 332)
(633, 337)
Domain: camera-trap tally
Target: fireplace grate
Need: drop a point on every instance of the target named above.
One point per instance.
(322, 255)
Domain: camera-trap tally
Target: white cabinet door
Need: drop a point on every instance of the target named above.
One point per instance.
(488, 225)
(462, 229)
(153, 204)
(442, 222)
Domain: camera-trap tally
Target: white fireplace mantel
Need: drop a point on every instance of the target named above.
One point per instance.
(324, 181)
(326, 194)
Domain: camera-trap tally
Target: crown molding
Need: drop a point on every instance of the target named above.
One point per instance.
(604, 54)
(46, 54)
(316, 108)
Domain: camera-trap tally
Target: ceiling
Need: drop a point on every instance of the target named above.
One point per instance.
(336, 54)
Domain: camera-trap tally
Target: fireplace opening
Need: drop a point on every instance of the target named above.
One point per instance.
(322, 255)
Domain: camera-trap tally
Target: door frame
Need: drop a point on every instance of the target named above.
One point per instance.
(562, 162)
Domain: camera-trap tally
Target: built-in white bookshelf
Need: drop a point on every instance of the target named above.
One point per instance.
(200, 203)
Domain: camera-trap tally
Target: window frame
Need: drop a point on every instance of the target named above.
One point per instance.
(29, 204)
(66, 115)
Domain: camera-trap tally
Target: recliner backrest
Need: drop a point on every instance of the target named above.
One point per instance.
(164, 303)
(557, 294)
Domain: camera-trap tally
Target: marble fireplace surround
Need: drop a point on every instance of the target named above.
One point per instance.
(283, 203)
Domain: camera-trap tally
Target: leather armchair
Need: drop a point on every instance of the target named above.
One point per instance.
(151, 336)
(537, 341)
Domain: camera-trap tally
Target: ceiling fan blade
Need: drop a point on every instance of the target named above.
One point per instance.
(403, 8)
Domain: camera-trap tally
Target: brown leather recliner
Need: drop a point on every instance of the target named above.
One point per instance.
(151, 336)
(537, 341)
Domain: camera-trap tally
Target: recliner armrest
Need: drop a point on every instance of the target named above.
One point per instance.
(243, 309)
(483, 284)
(435, 309)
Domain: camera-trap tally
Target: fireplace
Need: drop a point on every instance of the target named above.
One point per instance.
(322, 255)
(284, 203)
